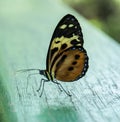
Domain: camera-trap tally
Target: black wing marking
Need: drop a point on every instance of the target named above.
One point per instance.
(68, 31)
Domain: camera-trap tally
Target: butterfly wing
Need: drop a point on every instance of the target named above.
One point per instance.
(67, 35)
(71, 65)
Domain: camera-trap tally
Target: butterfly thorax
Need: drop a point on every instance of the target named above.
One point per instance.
(47, 74)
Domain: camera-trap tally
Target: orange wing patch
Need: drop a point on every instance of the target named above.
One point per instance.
(71, 65)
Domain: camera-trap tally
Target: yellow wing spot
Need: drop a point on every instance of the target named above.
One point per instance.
(79, 44)
(63, 26)
(70, 25)
(62, 40)
(75, 27)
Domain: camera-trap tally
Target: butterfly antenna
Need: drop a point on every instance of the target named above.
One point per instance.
(27, 70)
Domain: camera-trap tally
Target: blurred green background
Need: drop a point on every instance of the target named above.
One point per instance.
(105, 14)
(24, 24)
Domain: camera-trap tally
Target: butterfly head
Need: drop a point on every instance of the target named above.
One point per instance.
(42, 72)
(46, 74)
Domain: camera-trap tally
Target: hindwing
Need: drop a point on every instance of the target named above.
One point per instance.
(71, 65)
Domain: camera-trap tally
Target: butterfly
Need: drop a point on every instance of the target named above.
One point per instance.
(67, 60)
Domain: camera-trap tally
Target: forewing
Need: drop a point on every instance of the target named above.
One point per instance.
(67, 34)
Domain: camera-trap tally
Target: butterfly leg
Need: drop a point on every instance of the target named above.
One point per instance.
(28, 77)
(67, 92)
(59, 87)
(41, 87)
(62, 88)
